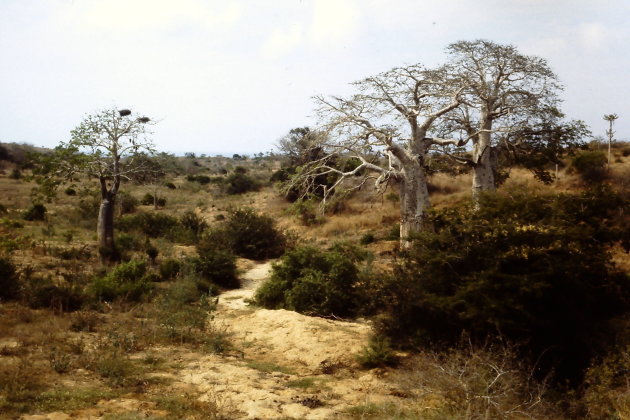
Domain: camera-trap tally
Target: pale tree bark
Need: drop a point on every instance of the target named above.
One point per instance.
(386, 127)
(414, 202)
(505, 92)
(484, 164)
(105, 226)
(105, 146)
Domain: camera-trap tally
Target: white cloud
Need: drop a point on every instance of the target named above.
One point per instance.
(282, 41)
(149, 15)
(335, 22)
(593, 35)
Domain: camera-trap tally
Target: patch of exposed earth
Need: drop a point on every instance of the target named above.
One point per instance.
(285, 365)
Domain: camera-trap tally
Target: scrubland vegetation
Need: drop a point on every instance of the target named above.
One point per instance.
(518, 308)
(124, 273)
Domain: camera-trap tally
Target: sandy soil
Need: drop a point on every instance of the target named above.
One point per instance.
(286, 365)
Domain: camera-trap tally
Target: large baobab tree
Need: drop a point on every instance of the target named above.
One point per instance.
(385, 129)
(106, 146)
(505, 91)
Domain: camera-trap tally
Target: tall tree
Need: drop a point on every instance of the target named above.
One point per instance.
(611, 118)
(109, 146)
(384, 127)
(505, 91)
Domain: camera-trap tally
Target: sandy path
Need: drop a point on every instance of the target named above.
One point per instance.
(284, 365)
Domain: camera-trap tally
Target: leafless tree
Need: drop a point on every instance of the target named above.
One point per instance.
(385, 128)
(505, 91)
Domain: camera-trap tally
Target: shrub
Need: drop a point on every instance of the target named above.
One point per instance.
(70, 192)
(254, 236)
(183, 316)
(170, 185)
(377, 353)
(149, 200)
(88, 207)
(312, 281)
(42, 293)
(127, 202)
(215, 267)
(128, 281)
(15, 174)
(200, 179)
(367, 238)
(36, 212)
(151, 251)
(151, 224)
(193, 223)
(9, 283)
(306, 211)
(126, 243)
(590, 165)
(525, 268)
(239, 183)
(169, 269)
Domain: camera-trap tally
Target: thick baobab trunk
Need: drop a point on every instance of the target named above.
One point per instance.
(105, 228)
(483, 172)
(414, 201)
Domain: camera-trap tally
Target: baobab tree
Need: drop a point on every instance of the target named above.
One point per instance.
(505, 91)
(385, 129)
(106, 145)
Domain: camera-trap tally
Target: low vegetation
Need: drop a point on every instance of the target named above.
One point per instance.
(511, 308)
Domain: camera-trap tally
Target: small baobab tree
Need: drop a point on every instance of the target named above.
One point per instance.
(384, 130)
(106, 146)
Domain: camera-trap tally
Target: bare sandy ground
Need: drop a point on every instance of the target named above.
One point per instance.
(285, 365)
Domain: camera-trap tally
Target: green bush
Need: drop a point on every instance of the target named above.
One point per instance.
(306, 211)
(590, 165)
(239, 183)
(151, 224)
(182, 313)
(128, 281)
(9, 283)
(377, 353)
(58, 297)
(367, 238)
(312, 281)
(215, 266)
(149, 200)
(126, 243)
(527, 268)
(36, 212)
(193, 223)
(169, 269)
(15, 174)
(251, 235)
(127, 202)
(201, 179)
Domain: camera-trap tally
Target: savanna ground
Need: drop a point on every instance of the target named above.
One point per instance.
(224, 358)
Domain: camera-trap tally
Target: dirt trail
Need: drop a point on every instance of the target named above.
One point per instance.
(285, 365)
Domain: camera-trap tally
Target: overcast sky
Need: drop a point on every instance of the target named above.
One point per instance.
(232, 76)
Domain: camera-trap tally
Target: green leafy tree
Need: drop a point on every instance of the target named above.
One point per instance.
(529, 268)
(110, 146)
